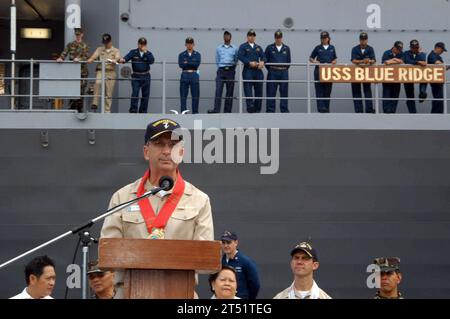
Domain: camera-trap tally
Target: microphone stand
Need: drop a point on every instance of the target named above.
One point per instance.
(85, 237)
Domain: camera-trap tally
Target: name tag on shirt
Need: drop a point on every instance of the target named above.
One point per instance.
(134, 208)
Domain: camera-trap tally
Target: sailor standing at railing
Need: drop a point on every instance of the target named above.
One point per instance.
(415, 56)
(226, 58)
(434, 57)
(141, 59)
(189, 62)
(363, 55)
(394, 56)
(323, 53)
(253, 58)
(110, 56)
(278, 52)
(77, 51)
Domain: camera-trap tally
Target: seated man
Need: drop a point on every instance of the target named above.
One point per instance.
(101, 282)
(40, 277)
(303, 264)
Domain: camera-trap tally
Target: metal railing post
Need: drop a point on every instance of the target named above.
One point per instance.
(13, 82)
(377, 100)
(31, 83)
(164, 110)
(445, 98)
(103, 88)
(241, 105)
(308, 86)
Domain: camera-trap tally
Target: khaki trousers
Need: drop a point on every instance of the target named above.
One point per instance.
(110, 81)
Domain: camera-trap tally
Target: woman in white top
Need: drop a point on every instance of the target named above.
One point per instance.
(224, 283)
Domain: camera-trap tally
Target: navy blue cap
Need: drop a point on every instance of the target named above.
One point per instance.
(106, 38)
(414, 44)
(324, 35)
(440, 45)
(228, 236)
(363, 36)
(160, 127)
(398, 45)
(278, 34)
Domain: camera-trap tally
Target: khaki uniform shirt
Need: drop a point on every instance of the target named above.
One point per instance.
(285, 294)
(191, 219)
(103, 54)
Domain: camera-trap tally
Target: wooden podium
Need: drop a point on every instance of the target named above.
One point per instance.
(161, 268)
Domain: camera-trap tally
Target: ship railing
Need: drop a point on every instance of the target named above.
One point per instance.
(21, 90)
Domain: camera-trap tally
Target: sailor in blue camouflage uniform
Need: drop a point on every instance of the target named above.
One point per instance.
(246, 271)
(394, 56)
(323, 53)
(434, 57)
(278, 53)
(253, 58)
(414, 56)
(141, 59)
(363, 55)
(189, 62)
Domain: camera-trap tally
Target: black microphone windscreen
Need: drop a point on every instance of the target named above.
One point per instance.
(166, 183)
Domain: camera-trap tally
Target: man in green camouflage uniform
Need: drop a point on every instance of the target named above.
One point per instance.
(390, 278)
(77, 51)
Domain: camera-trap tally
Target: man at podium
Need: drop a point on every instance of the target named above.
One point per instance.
(183, 212)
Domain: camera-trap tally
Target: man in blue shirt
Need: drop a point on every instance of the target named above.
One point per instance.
(323, 53)
(278, 53)
(141, 59)
(363, 55)
(436, 88)
(247, 273)
(414, 57)
(393, 56)
(253, 58)
(189, 61)
(226, 58)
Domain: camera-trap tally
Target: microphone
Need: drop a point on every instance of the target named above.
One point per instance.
(166, 183)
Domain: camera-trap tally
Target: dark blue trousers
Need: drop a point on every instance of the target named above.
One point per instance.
(272, 87)
(438, 93)
(253, 105)
(322, 90)
(409, 90)
(224, 78)
(390, 90)
(189, 80)
(356, 92)
(140, 82)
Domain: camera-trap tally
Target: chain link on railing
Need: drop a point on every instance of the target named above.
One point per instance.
(165, 80)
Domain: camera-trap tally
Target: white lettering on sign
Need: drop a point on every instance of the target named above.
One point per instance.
(374, 18)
